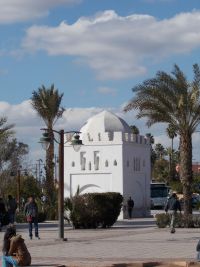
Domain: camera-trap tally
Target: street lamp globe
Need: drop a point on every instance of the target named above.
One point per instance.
(76, 142)
(45, 140)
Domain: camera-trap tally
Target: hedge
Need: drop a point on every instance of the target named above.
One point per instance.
(94, 210)
(21, 218)
(181, 221)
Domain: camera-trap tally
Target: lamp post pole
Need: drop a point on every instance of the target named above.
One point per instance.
(61, 186)
(18, 187)
(76, 143)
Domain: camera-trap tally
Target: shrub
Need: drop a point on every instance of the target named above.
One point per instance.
(94, 210)
(21, 218)
(163, 220)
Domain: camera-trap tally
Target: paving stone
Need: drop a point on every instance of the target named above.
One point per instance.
(135, 241)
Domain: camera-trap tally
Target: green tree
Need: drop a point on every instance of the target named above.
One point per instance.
(160, 170)
(160, 150)
(152, 151)
(47, 103)
(172, 99)
(135, 129)
(6, 130)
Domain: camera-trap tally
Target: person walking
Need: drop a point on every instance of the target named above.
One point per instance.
(130, 205)
(11, 208)
(15, 252)
(2, 211)
(172, 206)
(31, 212)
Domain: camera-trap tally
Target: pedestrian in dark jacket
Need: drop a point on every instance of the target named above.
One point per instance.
(31, 212)
(11, 207)
(2, 211)
(173, 205)
(130, 205)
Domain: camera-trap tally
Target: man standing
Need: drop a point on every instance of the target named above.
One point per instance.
(31, 212)
(172, 206)
(130, 205)
(11, 207)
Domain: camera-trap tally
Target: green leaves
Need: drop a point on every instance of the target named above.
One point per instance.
(169, 98)
(47, 101)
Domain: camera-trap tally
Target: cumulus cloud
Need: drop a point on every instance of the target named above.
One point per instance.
(28, 124)
(117, 47)
(12, 11)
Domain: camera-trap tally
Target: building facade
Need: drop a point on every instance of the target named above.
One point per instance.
(112, 159)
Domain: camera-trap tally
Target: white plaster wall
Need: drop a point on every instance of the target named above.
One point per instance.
(111, 175)
(100, 182)
(136, 183)
(121, 178)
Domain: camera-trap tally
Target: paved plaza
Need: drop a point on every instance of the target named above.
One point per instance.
(127, 241)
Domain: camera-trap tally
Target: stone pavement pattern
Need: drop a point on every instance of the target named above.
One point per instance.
(129, 241)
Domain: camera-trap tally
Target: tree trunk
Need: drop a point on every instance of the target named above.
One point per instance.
(49, 183)
(172, 161)
(186, 170)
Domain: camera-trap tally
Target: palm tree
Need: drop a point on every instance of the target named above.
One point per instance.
(172, 99)
(160, 150)
(153, 154)
(171, 133)
(5, 129)
(134, 129)
(47, 101)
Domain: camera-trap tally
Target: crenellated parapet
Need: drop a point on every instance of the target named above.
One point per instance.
(114, 137)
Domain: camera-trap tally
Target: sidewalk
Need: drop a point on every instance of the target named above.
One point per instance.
(127, 241)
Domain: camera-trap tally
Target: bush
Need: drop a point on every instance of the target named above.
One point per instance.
(162, 220)
(181, 221)
(94, 210)
(21, 218)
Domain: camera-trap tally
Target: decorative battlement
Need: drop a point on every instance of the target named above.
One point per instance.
(115, 137)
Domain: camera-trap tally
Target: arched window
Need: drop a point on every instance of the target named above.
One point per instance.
(96, 160)
(73, 164)
(115, 163)
(106, 163)
(82, 160)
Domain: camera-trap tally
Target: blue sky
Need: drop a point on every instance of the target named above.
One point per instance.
(94, 51)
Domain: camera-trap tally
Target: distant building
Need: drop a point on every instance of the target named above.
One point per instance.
(196, 167)
(112, 159)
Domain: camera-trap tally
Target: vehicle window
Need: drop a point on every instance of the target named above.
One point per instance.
(159, 192)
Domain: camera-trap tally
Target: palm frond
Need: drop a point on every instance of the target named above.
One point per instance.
(47, 101)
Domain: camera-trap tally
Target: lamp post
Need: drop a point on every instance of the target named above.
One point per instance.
(76, 143)
(19, 188)
(17, 174)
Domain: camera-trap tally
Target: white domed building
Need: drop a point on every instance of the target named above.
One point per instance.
(112, 159)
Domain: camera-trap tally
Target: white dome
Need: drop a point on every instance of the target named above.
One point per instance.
(105, 121)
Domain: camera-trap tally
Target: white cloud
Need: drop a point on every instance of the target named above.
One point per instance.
(118, 47)
(28, 125)
(12, 11)
(104, 90)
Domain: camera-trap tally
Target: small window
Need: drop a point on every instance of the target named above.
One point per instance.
(127, 163)
(115, 163)
(106, 163)
(73, 164)
(90, 166)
